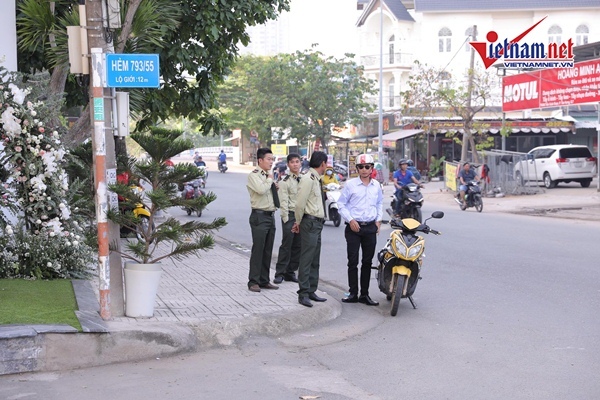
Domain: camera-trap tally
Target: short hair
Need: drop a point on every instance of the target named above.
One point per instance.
(291, 156)
(467, 164)
(317, 158)
(262, 152)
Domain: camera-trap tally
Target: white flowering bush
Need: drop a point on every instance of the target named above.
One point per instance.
(37, 187)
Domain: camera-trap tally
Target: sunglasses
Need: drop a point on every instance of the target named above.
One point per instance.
(363, 166)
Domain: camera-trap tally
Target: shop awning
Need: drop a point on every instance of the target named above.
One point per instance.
(401, 134)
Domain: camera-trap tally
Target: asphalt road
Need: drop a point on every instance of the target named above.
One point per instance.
(508, 308)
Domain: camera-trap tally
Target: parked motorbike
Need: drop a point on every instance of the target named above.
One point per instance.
(141, 211)
(332, 195)
(191, 191)
(413, 201)
(401, 259)
(222, 166)
(472, 197)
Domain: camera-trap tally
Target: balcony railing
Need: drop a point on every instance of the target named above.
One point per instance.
(389, 59)
(388, 102)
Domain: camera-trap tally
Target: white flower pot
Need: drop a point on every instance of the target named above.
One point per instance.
(141, 286)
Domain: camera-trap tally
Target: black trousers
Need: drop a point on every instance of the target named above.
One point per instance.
(310, 256)
(289, 251)
(263, 236)
(365, 239)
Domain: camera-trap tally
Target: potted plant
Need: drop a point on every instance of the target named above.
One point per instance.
(175, 239)
(435, 167)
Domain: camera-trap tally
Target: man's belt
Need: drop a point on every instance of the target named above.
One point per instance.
(254, 210)
(363, 223)
(307, 216)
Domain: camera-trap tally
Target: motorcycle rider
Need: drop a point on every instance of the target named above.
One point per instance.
(222, 159)
(465, 176)
(329, 177)
(402, 177)
(198, 160)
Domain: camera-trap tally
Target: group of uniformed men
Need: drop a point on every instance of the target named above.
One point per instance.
(299, 199)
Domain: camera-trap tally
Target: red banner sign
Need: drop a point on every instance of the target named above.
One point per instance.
(552, 87)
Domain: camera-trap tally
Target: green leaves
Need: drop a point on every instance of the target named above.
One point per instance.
(304, 92)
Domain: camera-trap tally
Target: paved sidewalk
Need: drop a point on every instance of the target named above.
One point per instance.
(202, 302)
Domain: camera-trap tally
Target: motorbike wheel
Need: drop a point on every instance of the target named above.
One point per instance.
(189, 211)
(397, 293)
(199, 213)
(337, 219)
(417, 214)
(478, 203)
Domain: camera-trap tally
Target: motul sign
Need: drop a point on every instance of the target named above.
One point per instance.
(552, 87)
(523, 92)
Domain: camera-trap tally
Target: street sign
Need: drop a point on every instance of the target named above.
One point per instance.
(132, 70)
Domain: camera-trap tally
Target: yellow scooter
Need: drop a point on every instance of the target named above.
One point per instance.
(141, 211)
(401, 259)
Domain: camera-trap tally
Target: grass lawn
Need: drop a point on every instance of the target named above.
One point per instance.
(37, 302)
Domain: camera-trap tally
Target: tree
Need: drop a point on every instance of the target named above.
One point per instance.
(433, 89)
(305, 92)
(196, 40)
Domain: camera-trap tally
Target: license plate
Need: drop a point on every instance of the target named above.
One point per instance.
(578, 164)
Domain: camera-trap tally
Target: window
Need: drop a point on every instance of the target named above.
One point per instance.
(444, 79)
(391, 91)
(445, 40)
(581, 35)
(391, 49)
(469, 37)
(555, 34)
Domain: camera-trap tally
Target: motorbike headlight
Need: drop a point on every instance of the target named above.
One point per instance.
(415, 251)
(400, 248)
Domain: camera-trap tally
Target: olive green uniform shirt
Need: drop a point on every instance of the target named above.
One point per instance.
(259, 189)
(288, 191)
(309, 200)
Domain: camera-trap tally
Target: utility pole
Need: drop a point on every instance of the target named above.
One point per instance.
(103, 149)
(467, 136)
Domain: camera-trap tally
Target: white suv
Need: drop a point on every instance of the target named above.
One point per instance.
(557, 163)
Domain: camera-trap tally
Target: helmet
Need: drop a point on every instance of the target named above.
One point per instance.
(364, 159)
(403, 161)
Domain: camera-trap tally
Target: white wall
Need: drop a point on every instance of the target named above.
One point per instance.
(8, 33)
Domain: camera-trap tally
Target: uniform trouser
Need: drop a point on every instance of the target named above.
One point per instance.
(365, 239)
(289, 251)
(263, 236)
(308, 268)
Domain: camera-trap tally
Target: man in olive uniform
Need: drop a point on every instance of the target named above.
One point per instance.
(309, 223)
(289, 251)
(263, 200)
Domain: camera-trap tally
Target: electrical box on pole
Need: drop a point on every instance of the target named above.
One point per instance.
(122, 114)
(112, 14)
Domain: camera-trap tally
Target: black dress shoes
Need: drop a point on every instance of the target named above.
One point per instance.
(278, 279)
(304, 301)
(350, 299)
(291, 278)
(367, 300)
(314, 297)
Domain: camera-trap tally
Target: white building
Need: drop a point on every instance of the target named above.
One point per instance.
(438, 32)
(8, 33)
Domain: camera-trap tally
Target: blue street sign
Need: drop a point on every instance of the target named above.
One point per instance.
(132, 70)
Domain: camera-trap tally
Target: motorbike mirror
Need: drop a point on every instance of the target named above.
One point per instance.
(437, 214)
